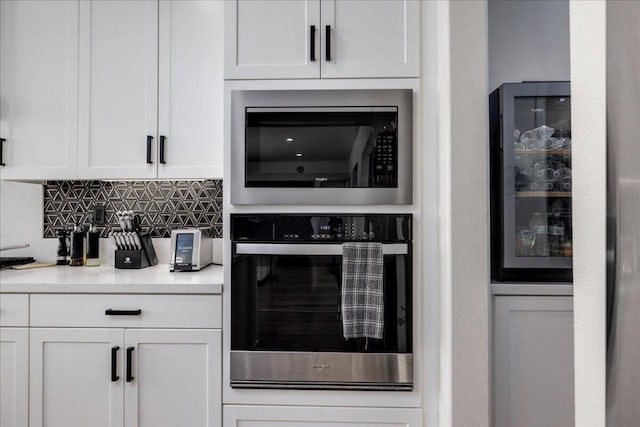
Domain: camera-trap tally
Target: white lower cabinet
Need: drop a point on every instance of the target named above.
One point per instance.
(176, 378)
(533, 361)
(14, 360)
(298, 416)
(129, 369)
(71, 378)
(14, 377)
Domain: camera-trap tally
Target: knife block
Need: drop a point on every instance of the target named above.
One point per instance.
(137, 258)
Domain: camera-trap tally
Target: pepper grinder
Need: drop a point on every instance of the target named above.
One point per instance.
(62, 256)
(93, 246)
(77, 247)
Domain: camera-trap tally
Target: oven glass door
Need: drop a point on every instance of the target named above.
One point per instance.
(290, 301)
(335, 147)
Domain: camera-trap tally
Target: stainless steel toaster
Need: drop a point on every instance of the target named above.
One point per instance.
(191, 249)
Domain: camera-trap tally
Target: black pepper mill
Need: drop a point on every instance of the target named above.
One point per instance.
(62, 256)
(77, 247)
(93, 247)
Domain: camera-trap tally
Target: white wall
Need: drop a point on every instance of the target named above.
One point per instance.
(21, 221)
(588, 115)
(528, 40)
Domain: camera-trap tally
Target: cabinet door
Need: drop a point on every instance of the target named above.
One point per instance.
(118, 89)
(533, 361)
(190, 89)
(14, 377)
(272, 39)
(371, 38)
(71, 378)
(177, 375)
(38, 89)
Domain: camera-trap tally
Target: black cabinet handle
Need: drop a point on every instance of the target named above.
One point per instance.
(162, 139)
(312, 42)
(129, 367)
(111, 312)
(114, 363)
(327, 34)
(149, 141)
(2, 141)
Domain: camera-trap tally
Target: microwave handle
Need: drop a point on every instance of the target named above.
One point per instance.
(309, 249)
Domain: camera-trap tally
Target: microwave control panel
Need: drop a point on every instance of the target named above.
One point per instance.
(384, 160)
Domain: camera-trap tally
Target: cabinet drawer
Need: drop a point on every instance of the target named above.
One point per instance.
(14, 310)
(155, 311)
(301, 416)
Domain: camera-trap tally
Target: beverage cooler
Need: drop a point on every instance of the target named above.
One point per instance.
(530, 129)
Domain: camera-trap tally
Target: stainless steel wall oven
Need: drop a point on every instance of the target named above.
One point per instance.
(287, 303)
(321, 147)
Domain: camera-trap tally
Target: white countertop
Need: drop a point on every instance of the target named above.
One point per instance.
(107, 279)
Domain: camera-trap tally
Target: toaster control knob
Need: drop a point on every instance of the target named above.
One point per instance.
(364, 236)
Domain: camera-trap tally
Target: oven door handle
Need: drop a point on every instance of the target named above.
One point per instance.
(309, 249)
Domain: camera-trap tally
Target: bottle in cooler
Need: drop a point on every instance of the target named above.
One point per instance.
(555, 232)
(538, 224)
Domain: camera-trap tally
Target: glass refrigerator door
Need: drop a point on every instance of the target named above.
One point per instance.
(537, 182)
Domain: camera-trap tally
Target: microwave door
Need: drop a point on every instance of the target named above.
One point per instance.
(322, 148)
(359, 157)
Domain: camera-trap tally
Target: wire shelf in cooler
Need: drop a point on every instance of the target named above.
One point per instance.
(543, 194)
(557, 152)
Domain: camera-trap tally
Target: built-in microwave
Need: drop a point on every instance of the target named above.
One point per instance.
(321, 147)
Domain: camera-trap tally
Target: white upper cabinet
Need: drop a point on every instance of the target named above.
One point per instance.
(190, 131)
(114, 89)
(275, 39)
(38, 89)
(150, 89)
(118, 89)
(378, 38)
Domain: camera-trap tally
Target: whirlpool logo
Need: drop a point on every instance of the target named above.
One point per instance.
(321, 179)
(321, 367)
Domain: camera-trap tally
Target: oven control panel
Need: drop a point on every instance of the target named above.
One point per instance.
(321, 228)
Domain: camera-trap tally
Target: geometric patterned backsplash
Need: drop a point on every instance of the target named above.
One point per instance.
(163, 205)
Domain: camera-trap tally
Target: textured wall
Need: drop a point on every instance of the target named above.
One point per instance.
(588, 101)
(468, 202)
(162, 205)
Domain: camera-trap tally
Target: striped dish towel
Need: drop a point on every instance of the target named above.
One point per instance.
(362, 303)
